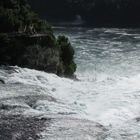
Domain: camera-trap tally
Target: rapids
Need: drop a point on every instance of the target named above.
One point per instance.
(109, 72)
(106, 97)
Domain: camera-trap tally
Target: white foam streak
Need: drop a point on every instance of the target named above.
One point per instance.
(106, 99)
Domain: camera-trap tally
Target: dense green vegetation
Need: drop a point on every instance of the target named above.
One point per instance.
(16, 15)
(95, 12)
(27, 41)
(65, 46)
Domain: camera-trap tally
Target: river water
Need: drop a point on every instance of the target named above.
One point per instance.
(108, 66)
(107, 93)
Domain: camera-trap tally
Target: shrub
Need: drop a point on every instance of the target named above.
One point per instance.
(67, 55)
(27, 41)
(66, 49)
(70, 69)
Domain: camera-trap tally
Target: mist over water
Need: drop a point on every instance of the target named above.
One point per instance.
(108, 92)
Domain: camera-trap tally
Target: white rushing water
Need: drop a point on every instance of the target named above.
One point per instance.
(109, 69)
(108, 90)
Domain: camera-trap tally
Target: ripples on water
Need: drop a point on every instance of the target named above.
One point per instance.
(109, 69)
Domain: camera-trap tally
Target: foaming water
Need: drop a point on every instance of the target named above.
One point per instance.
(112, 101)
(108, 90)
(109, 69)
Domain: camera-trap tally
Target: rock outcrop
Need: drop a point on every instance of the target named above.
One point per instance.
(27, 41)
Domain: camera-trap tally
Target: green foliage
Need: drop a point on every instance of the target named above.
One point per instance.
(66, 49)
(3, 47)
(41, 53)
(16, 15)
(48, 41)
(67, 55)
(70, 69)
(43, 27)
(27, 41)
(3, 37)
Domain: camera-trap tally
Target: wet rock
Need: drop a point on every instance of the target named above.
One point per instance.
(66, 128)
(20, 128)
